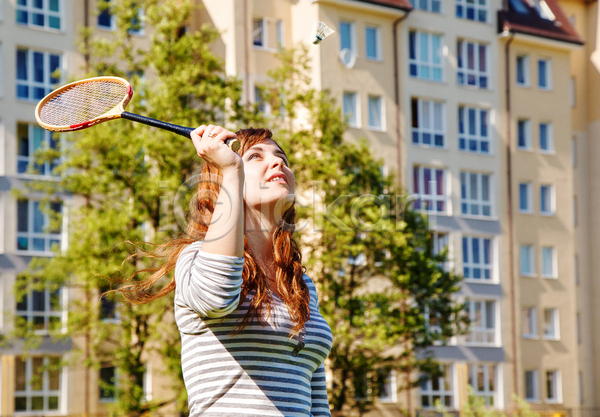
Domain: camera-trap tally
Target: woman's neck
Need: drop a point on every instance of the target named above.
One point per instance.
(259, 234)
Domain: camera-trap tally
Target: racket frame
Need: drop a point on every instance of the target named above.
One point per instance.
(113, 113)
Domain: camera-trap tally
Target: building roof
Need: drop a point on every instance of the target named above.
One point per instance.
(396, 4)
(534, 17)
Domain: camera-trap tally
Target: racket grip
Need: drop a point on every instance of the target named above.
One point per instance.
(233, 143)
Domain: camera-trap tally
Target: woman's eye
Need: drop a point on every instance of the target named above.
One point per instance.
(252, 156)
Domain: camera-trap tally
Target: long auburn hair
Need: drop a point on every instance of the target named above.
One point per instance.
(287, 257)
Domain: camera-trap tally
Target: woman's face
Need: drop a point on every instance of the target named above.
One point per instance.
(269, 180)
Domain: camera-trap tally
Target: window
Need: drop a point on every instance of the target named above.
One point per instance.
(527, 260)
(262, 105)
(523, 70)
(438, 388)
(531, 385)
(580, 387)
(523, 134)
(529, 322)
(441, 243)
(430, 185)
(578, 317)
(546, 137)
(551, 324)
(347, 37)
(376, 119)
(33, 138)
(544, 74)
(37, 384)
(473, 131)
(547, 199)
(36, 73)
(572, 92)
(39, 13)
(108, 383)
(434, 6)
(267, 33)
(373, 43)
(350, 109)
(386, 379)
(574, 151)
(41, 309)
(477, 258)
(482, 377)
(472, 60)
(576, 266)
(525, 205)
(35, 231)
(472, 10)
(105, 17)
(553, 386)
(428, 122)
(575, 218)
(475, 195)
(482, 315)
(425, 51)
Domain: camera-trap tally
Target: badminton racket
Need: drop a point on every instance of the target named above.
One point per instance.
(86, 103)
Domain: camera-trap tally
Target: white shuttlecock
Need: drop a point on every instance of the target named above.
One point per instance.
(321, 32)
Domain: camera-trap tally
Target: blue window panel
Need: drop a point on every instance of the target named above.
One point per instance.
(474, 209)
(482, 16)
(39, 245)
(460, 78)
(476, 273)
(424, 71)
(465, 249)
(22, 243)
(436, 6)
(459, 51)
(470, 13)
(39, 93)
(459, 11)
(521, 134)
(53, 5)
(472, 79)
(485, 147)
(22, 2)
(38, 19)
(22, 67)
(519, 6)
(542, 73)
(22, 91)
(38, 4)
(461, 124)
(463, 185)
(486, 251)
(439, 140)
(483, 82)
(415, 137)
(472, 121)
(345, 35)
(483, 123)
(472, 145)
(22, 167)
(423, 4)
(486, 274)
(54, 22)
(22, 17)
(475, 247)
(38, 67)
(466, 272)
(440, 206)
(423, 47)
(486, 211)
(523, 197)
(437, 74)
(464, 208)
(462, 144)
(427, 138)
(54, 65)
(371, 35)
(38, 218)
(412, 46)
(413, 70)
(436, 49)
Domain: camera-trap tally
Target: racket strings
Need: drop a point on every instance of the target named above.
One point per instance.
(83, 102)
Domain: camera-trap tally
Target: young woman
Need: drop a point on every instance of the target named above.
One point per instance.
(253, 339)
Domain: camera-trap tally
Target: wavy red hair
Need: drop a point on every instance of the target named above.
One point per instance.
(286, 254)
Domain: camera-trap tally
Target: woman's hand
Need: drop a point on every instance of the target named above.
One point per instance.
(209, 142)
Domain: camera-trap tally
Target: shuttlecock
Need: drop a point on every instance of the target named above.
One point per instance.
(321, 32)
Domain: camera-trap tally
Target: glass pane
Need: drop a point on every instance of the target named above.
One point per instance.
(38, 302)
(483, 123)
(53, 403)
(485, 187)
(54, 65)
(412, 39)
(345, 36)
(490, 315)
(472, 122)
(22, 64)
(54, 375)
(414, 105)
(54, 22)
(436, 49)
(22, 215)
(439, 177)
(459, 52)
(473, 186)
(463, 185)
(53, 5)
(482, 58)
(461, 122)
(37, 403)
(475, 247)
(20, 403)
(37, 373)
(426, 114)
(22, 17)
(38, 4)
(487, 243)
(38, 218)
(438, 117)
(38, 67)
(20, 374)
(470, 56)
(423, 47)
(465, 249)
(39, 244)
(371, 35)
(480, 379)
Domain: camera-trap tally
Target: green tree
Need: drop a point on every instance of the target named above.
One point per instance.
(382, 286)
(118, 176)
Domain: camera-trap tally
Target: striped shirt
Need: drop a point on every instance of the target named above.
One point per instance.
(254, 372)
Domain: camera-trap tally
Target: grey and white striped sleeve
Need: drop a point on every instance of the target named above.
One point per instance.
(207, 283)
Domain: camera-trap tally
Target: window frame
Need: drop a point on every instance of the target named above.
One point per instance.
(553, 274)
(429, 65)
(477, 8)
(466, 138)
(487, 393)
(435, 198)
(391, 379)
(382, 118)
(47, 141)
(526, 71)
(531, 319)
(49, 238)
(105, 399)
(356, 102)
(532, 271)
(30, 313)
(548, 74)
(535, 387)
(526, 123)
(429, 392)
(462, 57)
(378, 57)
(46, 393)
(529, 201)
(557, 386)
(265, 36)
(420, 131)
(352, 39)
(45, 11)
(549, 137)
(429, 8)
(467, 259)
(553, 325)
(466, 192)
(548, 200)
(49, 82)
(485, 305)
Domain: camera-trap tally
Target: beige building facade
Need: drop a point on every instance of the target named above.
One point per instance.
(487, 110)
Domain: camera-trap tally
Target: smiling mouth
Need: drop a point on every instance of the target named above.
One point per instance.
(278, 179)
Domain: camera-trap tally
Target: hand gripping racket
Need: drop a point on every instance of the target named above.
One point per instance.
(86, 103)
